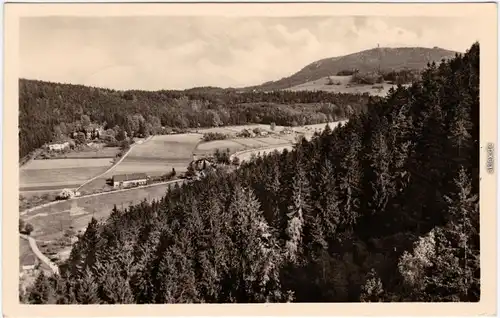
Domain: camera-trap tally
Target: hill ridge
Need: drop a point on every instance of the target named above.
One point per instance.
(389, 59)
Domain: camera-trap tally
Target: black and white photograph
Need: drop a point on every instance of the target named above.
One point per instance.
(214, 159)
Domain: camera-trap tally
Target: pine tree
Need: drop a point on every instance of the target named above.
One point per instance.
(257, 257)
(115, 289)
(328, 215)
(402, 146)
(140, 281)
(83, 253)
(349, 182)
(327, 130)
(460, 136)
(382, 186)
(41, 292)
(87, 289)
(175, 278)
(295, 215)
(211, 243)
(273, 185)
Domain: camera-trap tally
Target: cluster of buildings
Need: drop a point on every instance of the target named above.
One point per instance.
(90, 133)
(247, 133)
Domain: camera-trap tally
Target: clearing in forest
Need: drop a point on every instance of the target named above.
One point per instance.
(155, 157)
(52, 221)
(60, 173)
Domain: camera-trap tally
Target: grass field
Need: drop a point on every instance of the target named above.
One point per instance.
(247, 155)
(167, 147)
(281, 142)
(237, 144)
(66, 163)
(233, 130)
(37, 193)
(105, 152)
(310, 129)
(60, 173)
(50, 222)
(341, 85)
(208, 148)
(155, 157)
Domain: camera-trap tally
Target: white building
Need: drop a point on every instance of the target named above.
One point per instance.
(127, 180)
(59, 147)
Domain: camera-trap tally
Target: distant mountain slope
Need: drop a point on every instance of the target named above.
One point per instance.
(365, 61)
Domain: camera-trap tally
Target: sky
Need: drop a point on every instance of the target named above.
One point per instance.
(152, 53)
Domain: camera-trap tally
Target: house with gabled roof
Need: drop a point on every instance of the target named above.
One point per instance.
(127, 180)
(28, 264)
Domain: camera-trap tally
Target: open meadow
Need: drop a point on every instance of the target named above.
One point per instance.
(60, 173)
(309, 130)
(341, 84)
(233, 130)
(104, 152)
(281, 142)
(52, 221)
(159, 155)
(154, 157)
(238, 144)
(247, 154)
(209, 147)
(24, 252)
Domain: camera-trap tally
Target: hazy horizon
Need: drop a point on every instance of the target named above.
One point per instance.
(154, 53)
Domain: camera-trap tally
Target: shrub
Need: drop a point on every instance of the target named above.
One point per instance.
(347, 72)
(214, 136)
(245, 133)
(367, 78)
(28, 228)
(257, 130)
(65, 194)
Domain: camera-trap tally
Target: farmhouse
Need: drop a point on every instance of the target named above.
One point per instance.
(28, 264)
(203, 163)
(59, 147)
(126, 180)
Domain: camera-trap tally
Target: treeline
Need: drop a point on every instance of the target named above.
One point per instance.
(400, 77)
(384, 208)
(47, 109)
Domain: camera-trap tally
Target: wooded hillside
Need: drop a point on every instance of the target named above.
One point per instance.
(384, 208)
(46, 109)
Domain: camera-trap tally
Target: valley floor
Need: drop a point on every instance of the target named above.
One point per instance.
(53, 222)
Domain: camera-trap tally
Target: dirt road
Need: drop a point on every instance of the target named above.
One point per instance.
(39, 254)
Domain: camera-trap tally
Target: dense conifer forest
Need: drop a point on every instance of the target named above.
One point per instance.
(45, 108)
(384, 208)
